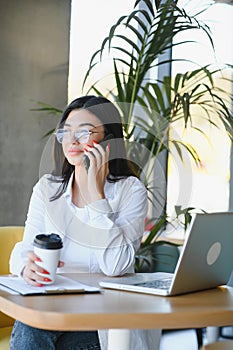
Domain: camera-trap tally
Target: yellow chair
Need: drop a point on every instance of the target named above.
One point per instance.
(9, 235)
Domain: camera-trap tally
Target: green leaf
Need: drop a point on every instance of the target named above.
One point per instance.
(118, 82)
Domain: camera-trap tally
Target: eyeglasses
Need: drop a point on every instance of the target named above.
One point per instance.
(82, 135)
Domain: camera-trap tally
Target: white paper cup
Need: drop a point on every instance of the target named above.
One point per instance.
(48, 249)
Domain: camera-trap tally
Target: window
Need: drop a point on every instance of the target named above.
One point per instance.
(208, 184)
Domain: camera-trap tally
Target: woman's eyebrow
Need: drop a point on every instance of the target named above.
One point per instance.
(82, 124)
(89, 124)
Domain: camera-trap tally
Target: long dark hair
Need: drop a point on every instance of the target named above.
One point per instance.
(108, 114)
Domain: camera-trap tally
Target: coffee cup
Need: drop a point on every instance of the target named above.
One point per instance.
(48, 248)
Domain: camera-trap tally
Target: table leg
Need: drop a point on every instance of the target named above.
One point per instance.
(119, 339)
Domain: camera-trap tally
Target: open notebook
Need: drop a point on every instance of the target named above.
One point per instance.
(206, 261)
(62, 285)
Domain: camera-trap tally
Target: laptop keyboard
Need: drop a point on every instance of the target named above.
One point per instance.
(158, 284)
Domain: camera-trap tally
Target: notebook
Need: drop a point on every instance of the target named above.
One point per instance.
(206, 261)
(63, 285)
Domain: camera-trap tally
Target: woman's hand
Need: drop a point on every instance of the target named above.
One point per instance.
(31, 269)
(98, 170)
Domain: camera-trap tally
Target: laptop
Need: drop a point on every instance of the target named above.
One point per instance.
(206, 261)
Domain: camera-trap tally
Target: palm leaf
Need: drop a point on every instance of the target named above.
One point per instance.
(44, 107)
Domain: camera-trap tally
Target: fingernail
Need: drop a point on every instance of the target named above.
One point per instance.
(38, 259)
(90, 147)
(85, 149)
(39, 285)
(47, 279)
(95, 142)
(45, 272)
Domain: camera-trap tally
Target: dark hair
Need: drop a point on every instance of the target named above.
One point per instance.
(108, 114)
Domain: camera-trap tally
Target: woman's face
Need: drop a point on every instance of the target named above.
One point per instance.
(76, 137)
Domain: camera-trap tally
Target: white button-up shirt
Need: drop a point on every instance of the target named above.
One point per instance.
(101, 237)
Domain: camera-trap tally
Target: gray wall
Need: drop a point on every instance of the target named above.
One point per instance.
(34, 44)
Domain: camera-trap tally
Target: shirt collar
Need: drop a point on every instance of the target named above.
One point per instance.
(68, 192)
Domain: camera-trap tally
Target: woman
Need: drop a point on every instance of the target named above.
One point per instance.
(93, 201)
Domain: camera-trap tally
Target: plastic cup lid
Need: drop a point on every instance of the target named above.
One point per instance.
(50, 241)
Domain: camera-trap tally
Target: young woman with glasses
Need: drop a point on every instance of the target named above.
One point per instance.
(94, 201)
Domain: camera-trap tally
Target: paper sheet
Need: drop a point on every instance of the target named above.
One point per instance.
(62, 285)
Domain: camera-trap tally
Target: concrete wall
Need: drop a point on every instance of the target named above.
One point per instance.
(34, 44)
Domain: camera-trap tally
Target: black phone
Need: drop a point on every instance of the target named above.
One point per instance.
(103, 143)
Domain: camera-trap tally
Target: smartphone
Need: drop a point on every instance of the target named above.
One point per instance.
(103, 143)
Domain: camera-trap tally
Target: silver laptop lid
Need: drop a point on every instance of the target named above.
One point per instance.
(206, 260)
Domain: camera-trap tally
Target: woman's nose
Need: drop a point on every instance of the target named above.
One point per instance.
(73, 138)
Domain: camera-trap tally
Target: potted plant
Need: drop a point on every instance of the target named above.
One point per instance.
(156, 253)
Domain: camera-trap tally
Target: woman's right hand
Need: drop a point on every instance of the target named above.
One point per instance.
(31, 269)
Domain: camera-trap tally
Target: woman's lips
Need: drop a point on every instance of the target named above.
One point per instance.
(74, 151)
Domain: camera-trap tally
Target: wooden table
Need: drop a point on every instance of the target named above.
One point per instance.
(120, 310)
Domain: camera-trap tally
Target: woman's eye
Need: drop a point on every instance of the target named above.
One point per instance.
(66, 131)
(84, 132)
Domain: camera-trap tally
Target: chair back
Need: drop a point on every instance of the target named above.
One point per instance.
(9, 236)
